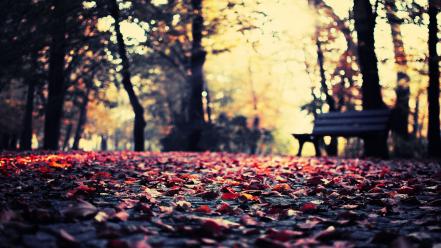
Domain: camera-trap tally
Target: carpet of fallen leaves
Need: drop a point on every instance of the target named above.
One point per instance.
(128, 199)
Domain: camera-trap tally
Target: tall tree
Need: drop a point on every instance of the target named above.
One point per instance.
(140, 123)
(26, 134)
(401, 110)
(55, 100)
(364, 17)
(433, 134)
(196, 77)
(67, 135)
(332, 148)
(82, 118)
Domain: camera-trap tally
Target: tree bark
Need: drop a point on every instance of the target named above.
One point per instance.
(401, 110)
(196, 77)
(331, 149)
(375, 145)
(415, 117)
(140, 123)
(4, 141)
(56, 89)
(116, 139)
(103, 143)
(81, 120)
(13, 142)
(26, 135)
(208, 105)
(67, 136)
(433, 134)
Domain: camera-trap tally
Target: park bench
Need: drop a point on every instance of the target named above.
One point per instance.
(346, 124)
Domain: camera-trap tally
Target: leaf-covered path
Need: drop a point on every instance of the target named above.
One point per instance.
(127, 199)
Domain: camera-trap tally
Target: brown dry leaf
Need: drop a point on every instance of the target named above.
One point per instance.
(80, 210)
(122, 216)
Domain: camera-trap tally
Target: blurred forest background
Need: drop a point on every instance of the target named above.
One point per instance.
(236, 75)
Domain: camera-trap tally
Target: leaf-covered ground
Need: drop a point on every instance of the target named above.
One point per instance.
(127, 199)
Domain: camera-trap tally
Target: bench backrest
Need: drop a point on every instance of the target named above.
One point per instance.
(352, 123)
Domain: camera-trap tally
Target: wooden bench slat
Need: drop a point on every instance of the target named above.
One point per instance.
(351, 121)
(348, 114)
(348, 130)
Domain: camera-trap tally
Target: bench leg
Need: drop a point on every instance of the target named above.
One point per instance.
(316, 142)
(301, 143)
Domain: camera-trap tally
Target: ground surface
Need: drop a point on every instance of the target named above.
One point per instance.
(211, 199)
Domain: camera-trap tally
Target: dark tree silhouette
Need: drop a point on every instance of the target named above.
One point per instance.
(26, 134)
(401, 110)
(372, 99)
(67, 134)
(82, 118)
(56, 89)
(333, 146)
(138, 130)
(196, 78)
(434, 148)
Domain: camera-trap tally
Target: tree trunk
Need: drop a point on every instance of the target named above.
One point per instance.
(116, 139)
(139, 125)
(375, 145)
(103, 143)
(26, 135)
(81, 120)
(4, 142)
(434, 148)
(415, 117)
(196, 78)
(67, 136)
(331, 149)
(55, 100)
(208, 106)
(13, 142)
(401, 110)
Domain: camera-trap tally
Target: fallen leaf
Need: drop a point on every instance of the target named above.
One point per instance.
(308, 207)
(203, 209)
(229, 196)
(80, 210)
(122, 216)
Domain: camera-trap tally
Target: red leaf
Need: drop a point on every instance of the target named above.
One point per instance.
(102, 175)
(308, 207)
(227, 190)
(130, 180)
(224, 208)
(406, 190)
(81, 189)
(203, 209)
(282, 187)
(230, 196)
